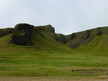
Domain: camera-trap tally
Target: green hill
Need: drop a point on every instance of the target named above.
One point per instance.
(37, 51)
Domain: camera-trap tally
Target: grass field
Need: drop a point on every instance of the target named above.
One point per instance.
(48, 58)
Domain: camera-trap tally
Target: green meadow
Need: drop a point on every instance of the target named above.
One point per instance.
(49, 58)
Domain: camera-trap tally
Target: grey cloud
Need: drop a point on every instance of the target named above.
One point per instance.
(66, 16)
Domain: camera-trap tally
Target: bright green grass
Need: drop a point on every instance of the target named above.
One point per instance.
(48, 58)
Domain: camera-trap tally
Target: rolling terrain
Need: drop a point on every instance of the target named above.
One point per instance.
(37, 51)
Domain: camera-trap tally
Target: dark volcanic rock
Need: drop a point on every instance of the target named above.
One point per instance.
(22, 34)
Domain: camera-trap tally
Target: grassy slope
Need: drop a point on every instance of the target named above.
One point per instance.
(48, 58)
(38, 60)
(98, 46)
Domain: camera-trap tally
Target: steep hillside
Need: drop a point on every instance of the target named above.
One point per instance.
(39, 37)
(84, 38)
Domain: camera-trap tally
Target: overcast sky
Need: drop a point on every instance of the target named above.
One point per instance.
(67, 16)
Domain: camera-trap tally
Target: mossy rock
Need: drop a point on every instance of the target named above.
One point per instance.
(61, 38)
(47, 28)
(22, 34)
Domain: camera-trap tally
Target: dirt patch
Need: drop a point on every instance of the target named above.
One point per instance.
(91, 71)
(37, 79)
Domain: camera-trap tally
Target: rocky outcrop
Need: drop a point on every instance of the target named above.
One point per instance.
(22, 34)
(47, 28)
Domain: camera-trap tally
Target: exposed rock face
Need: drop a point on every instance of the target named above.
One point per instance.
(22, 34)
(47, 28)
